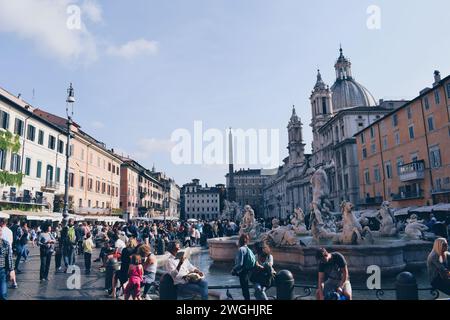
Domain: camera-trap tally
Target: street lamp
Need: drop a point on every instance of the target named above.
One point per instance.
(69, 112)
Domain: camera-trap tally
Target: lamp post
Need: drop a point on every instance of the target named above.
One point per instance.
(69, 111)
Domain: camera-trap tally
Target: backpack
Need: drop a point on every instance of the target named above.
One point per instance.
(249, 260)
(71, 235)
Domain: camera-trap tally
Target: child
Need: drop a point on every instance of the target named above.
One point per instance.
(88, 245)
(135, 273)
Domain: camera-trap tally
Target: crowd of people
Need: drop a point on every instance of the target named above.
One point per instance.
(127, 255)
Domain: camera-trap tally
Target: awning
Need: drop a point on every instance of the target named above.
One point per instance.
(403, 211)
(369, 213)
(427, 209)
(442, 207)
(36, 218)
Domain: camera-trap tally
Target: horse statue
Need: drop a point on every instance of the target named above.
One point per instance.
(388, 227)
(415, 228)
(281, 236)
(298, 222)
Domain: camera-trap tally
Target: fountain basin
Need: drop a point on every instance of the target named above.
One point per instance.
(392, 256)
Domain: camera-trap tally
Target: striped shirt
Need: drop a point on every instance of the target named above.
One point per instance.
(6, 256)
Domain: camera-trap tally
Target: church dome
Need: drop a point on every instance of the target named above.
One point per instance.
(346, 92)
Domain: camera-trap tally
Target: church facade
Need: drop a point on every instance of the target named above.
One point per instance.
(338, 113)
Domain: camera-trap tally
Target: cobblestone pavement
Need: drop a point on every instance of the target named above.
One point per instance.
(30, 288)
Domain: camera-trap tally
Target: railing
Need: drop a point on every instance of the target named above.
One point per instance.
(408, 195)
(371, 200)
(22, 199)
(51, 185)
(309, 291)
(412, 171)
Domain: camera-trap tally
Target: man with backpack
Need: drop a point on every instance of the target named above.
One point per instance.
(245, 262)
(69, 243)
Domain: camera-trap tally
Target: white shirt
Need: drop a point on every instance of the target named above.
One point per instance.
(119, 244)
(185, 269)
(7, 235)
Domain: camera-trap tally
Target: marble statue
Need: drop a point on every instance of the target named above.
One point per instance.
(415, 228)
(352, 231)
(249, 225)
(281, 236)
(322, 223)
(298, 222)
(232, 211)
(275, 223)
(388, 227)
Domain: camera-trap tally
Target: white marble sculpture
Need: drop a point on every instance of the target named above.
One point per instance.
(249, 225)
(275, 223)
(415, 228)
(352, 231)
(298, 222)
(232, 211)
(281, 236)
(387, 221)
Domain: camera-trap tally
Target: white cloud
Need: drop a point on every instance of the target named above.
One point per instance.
(97, 125)
(149, 146)
(92, 10)
(44, 23)
(134, 48)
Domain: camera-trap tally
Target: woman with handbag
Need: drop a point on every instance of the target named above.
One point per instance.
(47, 247)
(263, 274)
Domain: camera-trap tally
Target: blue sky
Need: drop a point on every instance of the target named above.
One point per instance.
(142, 69)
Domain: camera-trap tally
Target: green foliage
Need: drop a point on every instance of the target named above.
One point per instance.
(20, 207)
(9, 179)
(9, 141)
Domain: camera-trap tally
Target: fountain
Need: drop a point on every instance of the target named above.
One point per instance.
(294, 247)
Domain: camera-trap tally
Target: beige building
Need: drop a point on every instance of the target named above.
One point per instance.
(94, 172)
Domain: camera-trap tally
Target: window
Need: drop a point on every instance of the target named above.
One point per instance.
(389, 170)
(395, 120)
(41, 137)
(103, 188)
(324, 105)
(61, 146)
(15, 163)
(58, 175)
(411, 132)
(397, 138)
(109, 166)
(27, 166)
(437, 97)
(372, 132)
(426, 103)
(346, 181)
(373, 148)
(362, 138)
(448, 90)
(367, 176)
(385, 143)
(39, 169)
(31, 132)
(376, 173)
(90, 182)
(435, 157)
(80, 203)
(364, 153)
(51, 142)
(18, 127)
(81, 182)
(399, 165)
(430, 123)
(2, 159)
(408, 110)
(82, 154)
(4, 120)
(344, 157)
(71, 179)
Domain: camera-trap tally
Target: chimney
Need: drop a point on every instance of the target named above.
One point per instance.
(437, 78)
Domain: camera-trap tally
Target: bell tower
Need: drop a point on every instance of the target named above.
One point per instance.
(296, 146)
(322, 110)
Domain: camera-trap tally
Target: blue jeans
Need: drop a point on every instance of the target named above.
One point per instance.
(3, 284)
(69, 256)
(21, 251)
(200, 288)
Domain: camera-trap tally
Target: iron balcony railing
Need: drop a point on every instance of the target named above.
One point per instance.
(412, 171)
(408, 195)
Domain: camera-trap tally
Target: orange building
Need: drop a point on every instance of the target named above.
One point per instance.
(404, 157)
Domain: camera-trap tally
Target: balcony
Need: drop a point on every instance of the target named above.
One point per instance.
(412, 171)
(408, 195)
(50, 186)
